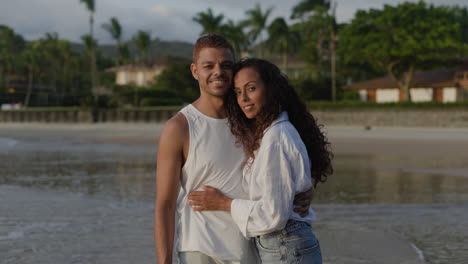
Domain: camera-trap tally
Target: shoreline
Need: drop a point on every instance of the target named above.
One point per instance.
(338, 130)
(421, 141)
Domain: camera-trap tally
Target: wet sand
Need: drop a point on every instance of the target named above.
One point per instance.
(58, 227)
(400, 141)
(70, 218)
(345, 140)
(123, 232)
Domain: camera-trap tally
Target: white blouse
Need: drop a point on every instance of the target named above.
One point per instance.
(280, 170)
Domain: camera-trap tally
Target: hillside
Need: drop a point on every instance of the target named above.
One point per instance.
(158, 48)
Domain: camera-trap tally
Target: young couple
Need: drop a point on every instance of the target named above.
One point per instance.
(235, 165)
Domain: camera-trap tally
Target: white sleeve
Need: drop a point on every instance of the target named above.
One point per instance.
(277, 168)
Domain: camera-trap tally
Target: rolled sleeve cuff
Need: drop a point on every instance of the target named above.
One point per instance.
(240, 212)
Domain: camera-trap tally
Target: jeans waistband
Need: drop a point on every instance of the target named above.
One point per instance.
(291, 226)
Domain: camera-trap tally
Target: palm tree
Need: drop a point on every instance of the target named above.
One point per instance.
(49, 61)
(282, 39)
(210, 22)
(11, 45)
(90, 44)
(91, 7)
(66, 55)
(332, 45)
(235, 34)
(124, 52)
(323, 23)
(257, 22)
(142, 41)
(306, 6)
(115, 30)
(31, 57)
(52, 54)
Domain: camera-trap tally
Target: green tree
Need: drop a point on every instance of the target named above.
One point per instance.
(11, 45)
(115, 30)
(320, 28)
(91, 7)
(142, 41)
(236, 35)
(31, 58)
(177, 77)
(257, 22)
(58, 55)
(124, 52)
(89, 43)
(68, 61)
(90, 46)
(333, 27)
(282, 39)
(461, 16)
(401, 39)
(51, 63)
(210, 22)
(305, 7)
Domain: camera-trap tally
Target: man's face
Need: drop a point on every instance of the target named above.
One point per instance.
(213, 70)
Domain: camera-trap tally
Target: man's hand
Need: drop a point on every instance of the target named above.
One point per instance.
(302, 202)
(211, 199)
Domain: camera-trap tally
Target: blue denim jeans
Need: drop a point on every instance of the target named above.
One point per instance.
(294, 244)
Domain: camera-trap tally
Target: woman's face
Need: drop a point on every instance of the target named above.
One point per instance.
(250, 91)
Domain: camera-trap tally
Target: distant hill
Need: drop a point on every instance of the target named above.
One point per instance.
(157, 48)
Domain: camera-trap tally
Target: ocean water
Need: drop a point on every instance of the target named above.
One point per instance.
(67, 199)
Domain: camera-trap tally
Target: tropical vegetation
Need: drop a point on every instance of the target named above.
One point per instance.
(395, 40)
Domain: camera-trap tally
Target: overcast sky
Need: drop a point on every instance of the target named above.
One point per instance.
(165, 19)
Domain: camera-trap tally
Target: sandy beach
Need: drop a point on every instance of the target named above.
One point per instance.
(94, 204)
(345, 140)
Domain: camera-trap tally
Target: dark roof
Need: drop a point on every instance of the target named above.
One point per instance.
(152, 63)
(433, 79)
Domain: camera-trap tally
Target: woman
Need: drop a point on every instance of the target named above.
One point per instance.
(286, 154)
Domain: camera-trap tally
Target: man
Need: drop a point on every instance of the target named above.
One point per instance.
(196, 148)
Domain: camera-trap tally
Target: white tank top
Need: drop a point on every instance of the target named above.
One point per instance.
(213, 160)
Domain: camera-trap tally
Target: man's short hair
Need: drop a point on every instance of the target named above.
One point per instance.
(211, 41)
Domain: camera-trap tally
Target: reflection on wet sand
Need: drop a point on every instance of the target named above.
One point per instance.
(384, 179)
(418, 200)
(357, 179)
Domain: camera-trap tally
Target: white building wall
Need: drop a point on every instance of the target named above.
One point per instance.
(140, 79)
(449, 94)
(387, 95)
(421, 94)
(121, 78)
(363, 95)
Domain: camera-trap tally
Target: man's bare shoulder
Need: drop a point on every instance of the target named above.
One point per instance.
(176, 128)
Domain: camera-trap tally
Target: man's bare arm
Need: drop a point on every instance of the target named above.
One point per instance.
(302, 202)
(169, 163)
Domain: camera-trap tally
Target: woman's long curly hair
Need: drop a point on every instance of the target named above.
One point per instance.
(281, 96)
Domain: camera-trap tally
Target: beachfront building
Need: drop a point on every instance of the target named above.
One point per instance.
(142, 74)
(438, 86)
